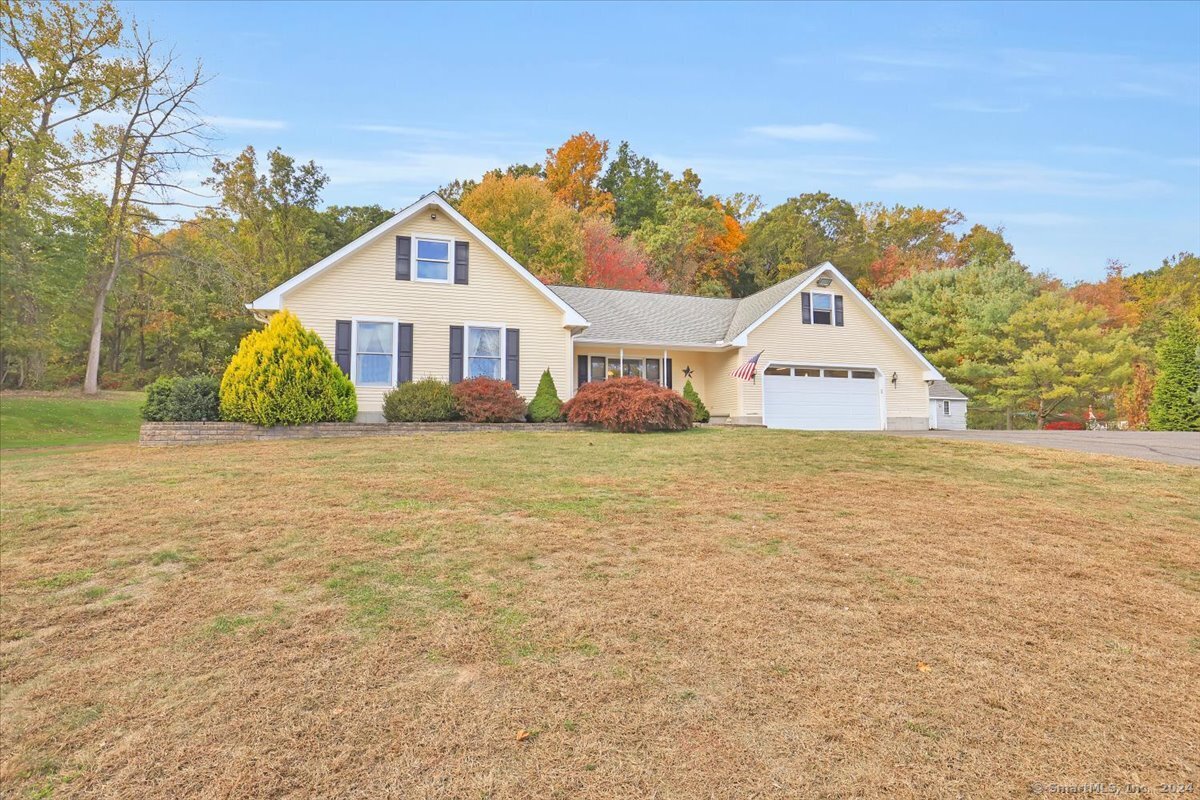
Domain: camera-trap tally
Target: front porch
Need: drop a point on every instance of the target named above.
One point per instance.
(706, 367)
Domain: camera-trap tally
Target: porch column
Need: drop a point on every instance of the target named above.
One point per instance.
(663, 380)
(621, 369)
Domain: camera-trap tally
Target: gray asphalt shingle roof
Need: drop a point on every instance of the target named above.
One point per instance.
(617, 315)
(942, 390)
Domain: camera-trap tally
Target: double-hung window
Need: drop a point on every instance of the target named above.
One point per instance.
(433, 260)
(374, 354)
(822, 308)
(946, 407)
(484, 352)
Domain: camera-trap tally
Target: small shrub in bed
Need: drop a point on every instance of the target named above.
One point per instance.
(488, 400)
(699, 411)
(546, 405)
(284, 375)
(426, 400)
(1064, 425)
(194, 399)
(629, 405)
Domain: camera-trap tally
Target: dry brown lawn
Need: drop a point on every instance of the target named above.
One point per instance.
(713, 614)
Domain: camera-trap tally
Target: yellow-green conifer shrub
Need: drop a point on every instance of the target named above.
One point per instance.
(284, 375)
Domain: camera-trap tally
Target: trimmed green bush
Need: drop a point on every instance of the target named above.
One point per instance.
(699, 410)
(195, 399)
(426, 400)
(284, 375)
(546, 405)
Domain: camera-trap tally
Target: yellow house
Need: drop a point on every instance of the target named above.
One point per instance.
(428, 294)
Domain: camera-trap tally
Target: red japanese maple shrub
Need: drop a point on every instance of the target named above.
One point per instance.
(1063, 425)
(629, 405)
(488, 400)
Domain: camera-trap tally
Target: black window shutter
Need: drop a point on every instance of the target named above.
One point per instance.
(581, 367)
(456, 353)
(806, 308)
(461, 260)
(341, 345)
(669, 386)
(837, 310)
(512, 357)
(403, 258)
(404, 355)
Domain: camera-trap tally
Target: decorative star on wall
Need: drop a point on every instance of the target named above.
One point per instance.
(687, 372)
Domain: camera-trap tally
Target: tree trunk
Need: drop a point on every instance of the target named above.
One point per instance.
(1008, 418)
(91, 382)
(1041, 414)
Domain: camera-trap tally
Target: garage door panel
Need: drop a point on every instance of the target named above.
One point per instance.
(807, 403)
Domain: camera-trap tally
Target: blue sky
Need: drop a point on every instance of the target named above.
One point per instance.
(1075, 126)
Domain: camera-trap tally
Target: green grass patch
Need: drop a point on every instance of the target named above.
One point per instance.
(68, 418)
(64, 579)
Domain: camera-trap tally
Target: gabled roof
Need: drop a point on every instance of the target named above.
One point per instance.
(273, 300)
(944, 390)
(629, 317)
(646, 318)
(760, 304)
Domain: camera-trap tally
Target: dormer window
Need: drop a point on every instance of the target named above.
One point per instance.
(433, 260)
(822, 308)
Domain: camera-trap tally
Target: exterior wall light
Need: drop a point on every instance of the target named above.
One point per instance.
(824, 281)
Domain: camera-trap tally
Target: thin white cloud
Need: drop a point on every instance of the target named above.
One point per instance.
(246, 124)
(418, 171)
(1032, 219)
(975, 107)
(1184, 162)
(1096, 150)
(406, 130)
(820, 132)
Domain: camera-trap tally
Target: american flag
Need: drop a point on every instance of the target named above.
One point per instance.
(747, 371)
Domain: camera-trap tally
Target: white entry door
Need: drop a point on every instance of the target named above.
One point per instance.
(822, 398)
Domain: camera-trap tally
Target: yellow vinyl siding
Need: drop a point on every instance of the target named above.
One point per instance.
(364, 285)
(862, 342)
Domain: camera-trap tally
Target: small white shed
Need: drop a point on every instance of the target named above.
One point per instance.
(947, 408)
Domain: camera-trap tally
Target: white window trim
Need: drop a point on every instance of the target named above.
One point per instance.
(450, 242)
(354, 350)
(621, 358)
(467, 347)
(813, 308)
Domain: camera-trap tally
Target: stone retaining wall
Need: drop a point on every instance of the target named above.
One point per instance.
(163, 434)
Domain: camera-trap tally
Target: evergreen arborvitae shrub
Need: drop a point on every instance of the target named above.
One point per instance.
(546, 405)
(1175, 403)
(699, 410)
(284, 375)
(426, 400)
(195, 399)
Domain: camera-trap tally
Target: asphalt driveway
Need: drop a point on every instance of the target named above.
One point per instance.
(1167, 447)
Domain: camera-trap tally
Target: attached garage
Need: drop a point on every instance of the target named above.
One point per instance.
(803, 397)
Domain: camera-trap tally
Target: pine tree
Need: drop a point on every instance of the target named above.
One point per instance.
(700, 412)
(546, 405)
(1175, 405)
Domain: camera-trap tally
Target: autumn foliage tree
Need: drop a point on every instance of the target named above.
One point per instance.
(611, 262)
(573, 175)
(524, 217)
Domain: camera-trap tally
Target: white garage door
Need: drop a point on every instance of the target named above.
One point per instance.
(821, 398)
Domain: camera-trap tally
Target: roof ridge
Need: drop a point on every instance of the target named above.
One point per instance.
(640, 291)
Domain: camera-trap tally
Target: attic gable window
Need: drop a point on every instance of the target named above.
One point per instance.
(433, 260)
(822, 308)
